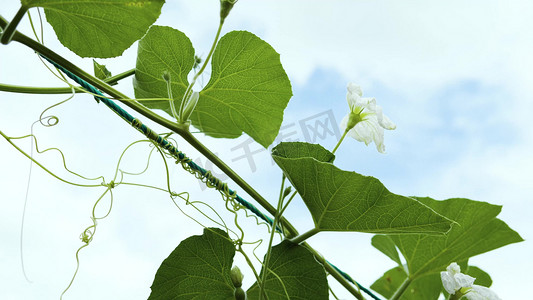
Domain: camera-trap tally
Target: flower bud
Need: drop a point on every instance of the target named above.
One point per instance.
(166, 76)
(236, 276)
(287, 191)
(240, 294)
(225, 8)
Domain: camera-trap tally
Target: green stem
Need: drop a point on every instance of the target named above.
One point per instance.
(340, 141)
(456, 296)
(399, 292)
(249, 262)
(11, 28)
(329, 268)
(58, 90)
(304, 236)
(115, 79)
(272, 232)
(288, 202)
(37, 90)
(188, 91)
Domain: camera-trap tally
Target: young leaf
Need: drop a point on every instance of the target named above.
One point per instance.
(294, 273)
(346, 201)
(199, 268)
(477, 231)
(163, 49)
(248, 90)
(424, 288)
(385, 244)
(100, 71)
(103, 28)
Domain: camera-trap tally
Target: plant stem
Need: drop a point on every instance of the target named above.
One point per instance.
(249, 262)
(11, 28)
(304, 236)
(272, 232)
(401, 289)
(37, 90)
(188, 91)
(58, 90)
(329, 268)
(340, 141)
(115, 79)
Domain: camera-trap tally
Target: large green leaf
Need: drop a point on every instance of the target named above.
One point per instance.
(385, 244)
(346, 201)
(99, 28)
(199, 268)
(294, 273)
(248, 90)
(163, 50)
(477, 231)
(424, 288)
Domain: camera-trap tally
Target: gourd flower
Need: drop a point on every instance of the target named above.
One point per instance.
(365, 121)
(459, 285)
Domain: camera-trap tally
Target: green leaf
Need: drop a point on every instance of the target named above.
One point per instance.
(103, 28)
(346, 201)
(100, 71)
(248, 90)
(424, 288)
(199, 268)
(482, 277)
(385, 244)
(294, 273)
(163, 49)
(477, 231)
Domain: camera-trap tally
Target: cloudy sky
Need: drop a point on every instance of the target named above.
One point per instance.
(454, 76)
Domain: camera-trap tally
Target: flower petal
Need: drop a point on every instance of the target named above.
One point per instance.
(383, 120)
(448, 282)
(453, 268)
(354, 89)
(464, 280)
(481, 293)
(368, 131)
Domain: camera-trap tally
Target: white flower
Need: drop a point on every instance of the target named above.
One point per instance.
(366, 120)
(478, 292)
(453, 281)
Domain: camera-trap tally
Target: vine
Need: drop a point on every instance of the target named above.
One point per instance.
(247, 93)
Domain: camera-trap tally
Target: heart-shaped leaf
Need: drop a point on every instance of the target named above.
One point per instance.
(199, 268)
(248, 90)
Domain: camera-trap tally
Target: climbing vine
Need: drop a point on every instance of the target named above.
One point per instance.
(246, 94)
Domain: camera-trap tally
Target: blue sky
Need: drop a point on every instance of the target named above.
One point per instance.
(455, 78)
